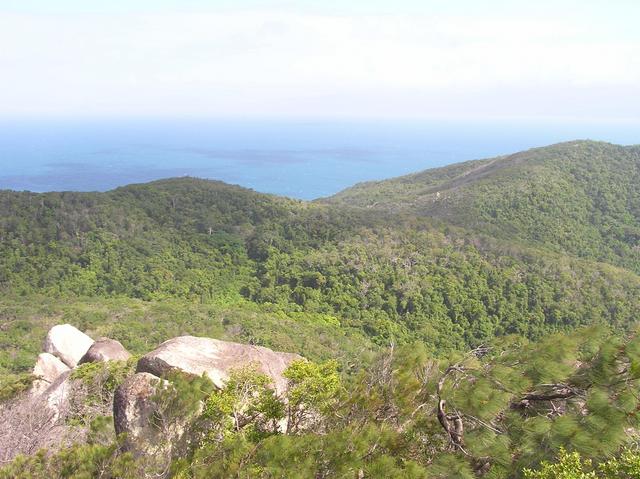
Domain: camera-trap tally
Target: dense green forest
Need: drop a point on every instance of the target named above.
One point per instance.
(392, 276)
(511, 250)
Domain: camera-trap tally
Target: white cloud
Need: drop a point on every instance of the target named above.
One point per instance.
(302, 64)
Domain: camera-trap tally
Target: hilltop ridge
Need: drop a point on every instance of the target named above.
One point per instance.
(447, 177)
(577, 197)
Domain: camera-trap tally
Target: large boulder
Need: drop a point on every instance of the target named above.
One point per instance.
(136, 415)
(67, 343)
(195, 356)
(103, 350)
(46, 370)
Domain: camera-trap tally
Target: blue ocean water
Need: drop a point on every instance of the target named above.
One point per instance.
(300, 159)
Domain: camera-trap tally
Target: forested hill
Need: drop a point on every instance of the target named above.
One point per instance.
(391, 282)
(537, 242)
(580, 197)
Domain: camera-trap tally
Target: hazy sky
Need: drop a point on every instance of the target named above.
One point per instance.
(370, 58)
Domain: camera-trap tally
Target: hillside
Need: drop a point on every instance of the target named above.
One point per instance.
(508, 286)
(578, 197)
(540, 241)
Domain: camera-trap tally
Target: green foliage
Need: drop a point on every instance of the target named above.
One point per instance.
(569, 466)
(312, 391)
(102, 378)
(345, 453)
(515, 412)
(93, 386)
(246, 400)
(13, 384)
(624, 466)
(572, 466)
(140, 326)
(578, 197)
(77, 462)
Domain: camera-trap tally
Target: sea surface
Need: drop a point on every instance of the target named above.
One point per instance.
(301, 159)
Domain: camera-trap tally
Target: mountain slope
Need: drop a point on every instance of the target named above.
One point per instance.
(580, 198)
(389, 273)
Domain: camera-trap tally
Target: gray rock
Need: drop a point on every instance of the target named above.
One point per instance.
(135, 415)
(195, 356)
(67, 343)
(103, 350)
(47, 369)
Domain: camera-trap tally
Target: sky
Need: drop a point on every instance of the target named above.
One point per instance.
(455, 59)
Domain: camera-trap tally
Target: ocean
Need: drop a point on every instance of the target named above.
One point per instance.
(304, 159)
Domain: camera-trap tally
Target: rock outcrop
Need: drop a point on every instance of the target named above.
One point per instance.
(103, 350)
(151, 428)
(195, 356)
(47, 369)
(38, 418)
(67, 343)
(137, 410)
(133, 414)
